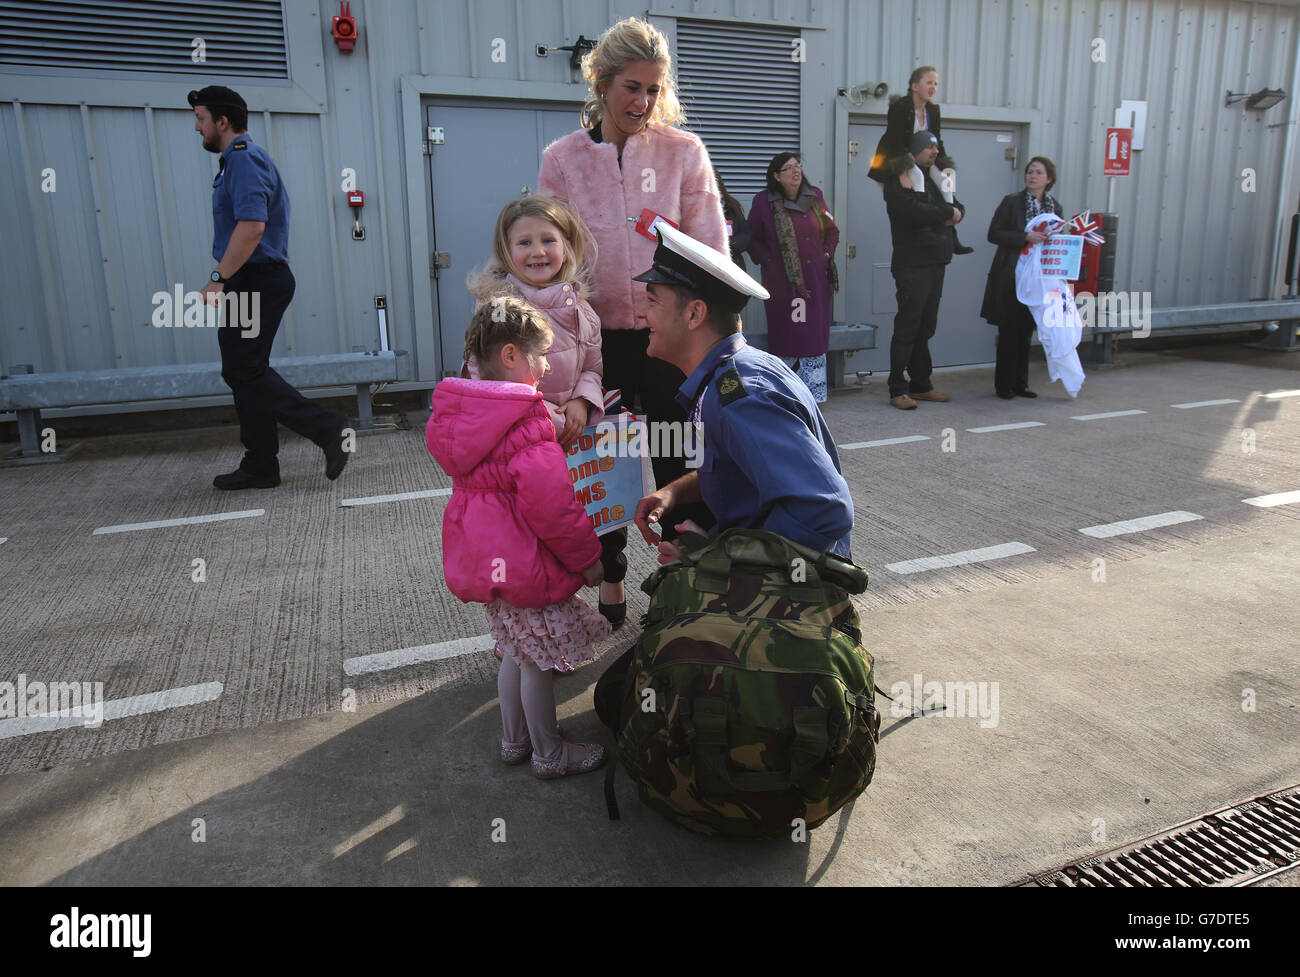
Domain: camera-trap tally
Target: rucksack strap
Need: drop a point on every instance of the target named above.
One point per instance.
(611, 802)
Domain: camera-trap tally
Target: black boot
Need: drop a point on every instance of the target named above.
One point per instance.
(957, 246)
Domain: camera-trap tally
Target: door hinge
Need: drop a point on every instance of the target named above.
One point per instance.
(852, 250)
(433, 136)
(439, 259)
(853, 148)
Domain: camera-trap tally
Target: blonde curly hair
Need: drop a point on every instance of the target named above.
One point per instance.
(625, 42)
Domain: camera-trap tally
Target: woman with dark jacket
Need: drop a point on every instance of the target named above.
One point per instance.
(909, 114)
(1001, 307)
(794, 241)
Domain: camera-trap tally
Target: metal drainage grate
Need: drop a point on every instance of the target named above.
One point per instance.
(1234, 846)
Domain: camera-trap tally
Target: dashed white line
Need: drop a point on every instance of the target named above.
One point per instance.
(1279, 394)
(399, 497)
(4, 539)
(1109, 413)
(1140, 524)
(999, 552)
(882, 443)
(130, 527)
(1005, 427)
(1204, 403)
(134, 705)
(1268, 501)
(385, 660)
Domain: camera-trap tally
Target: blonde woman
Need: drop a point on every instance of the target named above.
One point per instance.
(629, 156)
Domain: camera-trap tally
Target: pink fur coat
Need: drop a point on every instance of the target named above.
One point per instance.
(664, 169)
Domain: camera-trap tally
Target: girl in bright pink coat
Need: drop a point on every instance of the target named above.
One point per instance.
(514, 537)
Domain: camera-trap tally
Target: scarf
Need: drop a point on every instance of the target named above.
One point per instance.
(1033, 208)
(789, 245)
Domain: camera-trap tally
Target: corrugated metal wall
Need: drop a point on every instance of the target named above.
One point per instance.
(131, 214)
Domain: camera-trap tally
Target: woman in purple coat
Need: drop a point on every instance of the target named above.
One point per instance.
(794, 239)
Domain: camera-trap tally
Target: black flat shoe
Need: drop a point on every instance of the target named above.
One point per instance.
(1025, 392)
(240, 479)
(962, 249)
(615, 614)
(1005, 394)
(335, 457)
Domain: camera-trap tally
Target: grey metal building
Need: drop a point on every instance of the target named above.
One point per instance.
(444, 107)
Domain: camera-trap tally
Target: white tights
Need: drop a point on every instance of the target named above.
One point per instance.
(528, 708)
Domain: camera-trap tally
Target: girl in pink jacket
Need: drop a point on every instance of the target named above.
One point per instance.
(514, 537)
(542, 252)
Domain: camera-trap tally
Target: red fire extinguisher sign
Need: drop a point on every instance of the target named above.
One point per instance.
(1119, 152)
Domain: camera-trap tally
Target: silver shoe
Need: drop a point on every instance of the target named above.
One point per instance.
(574, 758)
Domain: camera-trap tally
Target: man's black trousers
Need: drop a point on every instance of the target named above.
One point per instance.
(919, 289)
(262, 396)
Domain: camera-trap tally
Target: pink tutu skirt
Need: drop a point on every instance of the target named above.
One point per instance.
(547, 636)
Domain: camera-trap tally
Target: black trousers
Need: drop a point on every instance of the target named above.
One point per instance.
(1011, 372)
(650, 385)
(919, 289)
(262, 396)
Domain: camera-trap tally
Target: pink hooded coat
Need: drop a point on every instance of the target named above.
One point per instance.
(586, 176)
(513, 529)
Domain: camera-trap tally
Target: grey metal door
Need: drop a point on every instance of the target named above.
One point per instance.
(489, 154)
(984, 176)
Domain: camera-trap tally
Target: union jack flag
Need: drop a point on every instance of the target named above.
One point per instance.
(1086, 225)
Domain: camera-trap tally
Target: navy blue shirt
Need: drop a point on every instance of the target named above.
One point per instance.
(248, 188)
(769, 459)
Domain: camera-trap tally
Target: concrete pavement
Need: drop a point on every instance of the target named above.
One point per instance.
(1120, 683)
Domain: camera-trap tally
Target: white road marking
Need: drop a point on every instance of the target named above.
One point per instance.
(882, 443)
(1204, 403)
(1005, 427)
(4, 539)
(1140, 524)
(135, 705)
(1001, 551)
(1279, 394)
(1268, 501)
(399, 497)
(185, 521)
(385, 660)
(1102, 417)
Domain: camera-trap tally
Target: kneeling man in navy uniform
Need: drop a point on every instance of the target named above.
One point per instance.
(769, 460)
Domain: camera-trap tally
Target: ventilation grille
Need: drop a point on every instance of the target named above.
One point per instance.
(740, 87)
(1232, 847)
(146, 36)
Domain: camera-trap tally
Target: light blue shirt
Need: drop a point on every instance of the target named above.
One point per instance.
(248, 188)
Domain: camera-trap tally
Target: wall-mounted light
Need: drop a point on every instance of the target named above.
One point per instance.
(1261, 100)
(576, 50)
(858, 94)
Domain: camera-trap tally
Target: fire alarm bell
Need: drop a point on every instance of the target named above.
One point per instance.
(345, 28)
(356, 198)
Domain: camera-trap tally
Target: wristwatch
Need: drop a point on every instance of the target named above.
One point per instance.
(216, 277)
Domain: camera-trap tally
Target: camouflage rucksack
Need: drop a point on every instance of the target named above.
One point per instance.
(749, 700)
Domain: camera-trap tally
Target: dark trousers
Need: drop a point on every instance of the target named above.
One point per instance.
(1011, 372)
(650, 386)
(918, 289)
(262, 397)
